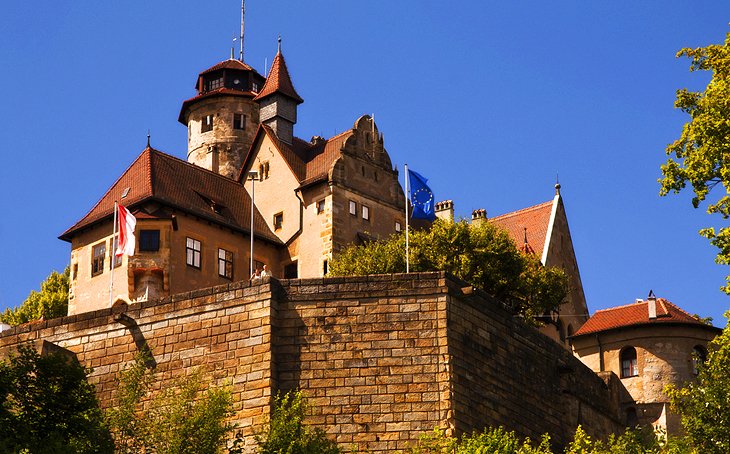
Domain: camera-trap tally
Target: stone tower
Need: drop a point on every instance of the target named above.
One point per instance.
(222, 118)
(279, 100)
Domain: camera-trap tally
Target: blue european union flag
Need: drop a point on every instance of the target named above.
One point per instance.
(421, 197)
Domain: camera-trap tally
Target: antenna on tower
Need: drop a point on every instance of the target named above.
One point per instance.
(243, 15)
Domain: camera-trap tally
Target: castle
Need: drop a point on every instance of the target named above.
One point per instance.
(382, 358)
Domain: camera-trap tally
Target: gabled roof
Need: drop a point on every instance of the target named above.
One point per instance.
(309, 162)
(231, 63)
(535, 218)
(279, 81)
(156, 176)
(637, 314)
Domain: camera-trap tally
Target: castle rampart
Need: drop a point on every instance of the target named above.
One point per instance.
(381, 358)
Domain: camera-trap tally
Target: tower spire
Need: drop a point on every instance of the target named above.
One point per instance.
(278, 49)
(243, 15)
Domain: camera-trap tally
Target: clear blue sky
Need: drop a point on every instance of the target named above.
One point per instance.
(489, 100)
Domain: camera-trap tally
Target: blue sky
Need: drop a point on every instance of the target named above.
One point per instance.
(489, 100)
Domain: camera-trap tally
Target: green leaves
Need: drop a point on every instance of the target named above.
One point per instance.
(50, 302)
(701, 155)
(482, 255)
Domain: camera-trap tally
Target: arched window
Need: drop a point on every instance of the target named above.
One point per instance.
(699, 356)
(629, 366)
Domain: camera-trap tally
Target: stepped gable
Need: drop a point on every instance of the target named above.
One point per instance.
(637, 314)
(535, 218)
(310, 162)
(157, 176)
(279, 81)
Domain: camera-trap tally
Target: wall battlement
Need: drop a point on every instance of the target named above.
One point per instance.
(382, 358)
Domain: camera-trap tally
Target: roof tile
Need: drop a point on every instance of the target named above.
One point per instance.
(535, 219)
(278, 80)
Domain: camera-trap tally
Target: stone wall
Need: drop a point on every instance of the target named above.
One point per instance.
(382, 358)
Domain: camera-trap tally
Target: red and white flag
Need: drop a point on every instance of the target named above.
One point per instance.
(127, 222)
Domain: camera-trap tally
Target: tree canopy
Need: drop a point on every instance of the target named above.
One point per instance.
(50, 302)
(705, 404)
(700, 156)
(47, 406)
(481, 254)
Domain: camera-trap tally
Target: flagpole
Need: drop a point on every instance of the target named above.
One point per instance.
(408, 197)
(112, 256)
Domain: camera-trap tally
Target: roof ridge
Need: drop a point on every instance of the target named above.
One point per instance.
(522, 210)
(197, 167)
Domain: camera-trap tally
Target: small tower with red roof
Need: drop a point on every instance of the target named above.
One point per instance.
(279, 100)
(223, 117)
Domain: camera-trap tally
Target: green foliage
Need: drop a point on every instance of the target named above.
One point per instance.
(491, 441)
(705, 404)
(50, 302)
(176, 420)
(47, 406)
(286, 432)
(701, 155)
(483, 255)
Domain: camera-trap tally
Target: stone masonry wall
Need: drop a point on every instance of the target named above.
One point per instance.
(381, 358)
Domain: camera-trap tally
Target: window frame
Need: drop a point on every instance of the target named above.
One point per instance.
(278, 220)
(239, 122)
(365, 212)
(320, 206)
(225, 263)
(115, 260)
(353, 208)
(191, 253)
(629, 362)
(398, 227)
(206, 123)
(142, 243)
(98, 256)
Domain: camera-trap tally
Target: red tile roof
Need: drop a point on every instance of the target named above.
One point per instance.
(309, 162)
(278, 80)
(156, 176)
(231, 63)
(535, 218)
(637, 314)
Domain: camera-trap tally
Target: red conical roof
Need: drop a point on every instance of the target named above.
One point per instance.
(279, 81)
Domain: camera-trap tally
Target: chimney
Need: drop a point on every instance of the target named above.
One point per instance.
(478, 216)
(445, 210)
(651, 304)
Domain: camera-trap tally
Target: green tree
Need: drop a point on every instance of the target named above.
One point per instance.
(705, 403)
(50, 302)
(178, 419)
(48, 406)
(483, 255)
(701, 155)
(286, 432)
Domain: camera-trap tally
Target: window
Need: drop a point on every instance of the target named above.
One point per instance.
(278, 220)
(75, 271)
(628, 363)
(699, 356)
(206, 123)
(225, 263)
(114, 258)
(192, 253)
(255, 87)
(320, 206)
(365, 213)
(149, 240)
(213, 84)
(397, 226)
(325, 267)
(290, 271)
(239, 121)
(98, 252)
(353, 208)
(263, 170)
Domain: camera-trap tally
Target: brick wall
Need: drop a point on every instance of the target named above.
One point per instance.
(382, 358)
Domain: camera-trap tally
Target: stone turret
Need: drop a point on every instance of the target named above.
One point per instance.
(445, 210)
(278, 100)
(223, 117)
(478, 216)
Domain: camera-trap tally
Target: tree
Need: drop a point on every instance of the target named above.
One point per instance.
(176, 420)
(701, 155)
(705, 404)
(483, 255)
(286, 432)
(47, 406)
(50, 302)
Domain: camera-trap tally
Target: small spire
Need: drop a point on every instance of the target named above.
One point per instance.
(557, 184)
(148, 138)
(279, 44)
(651, 294)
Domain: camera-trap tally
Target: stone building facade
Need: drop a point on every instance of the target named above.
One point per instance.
(381, 358)
(648, 345)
